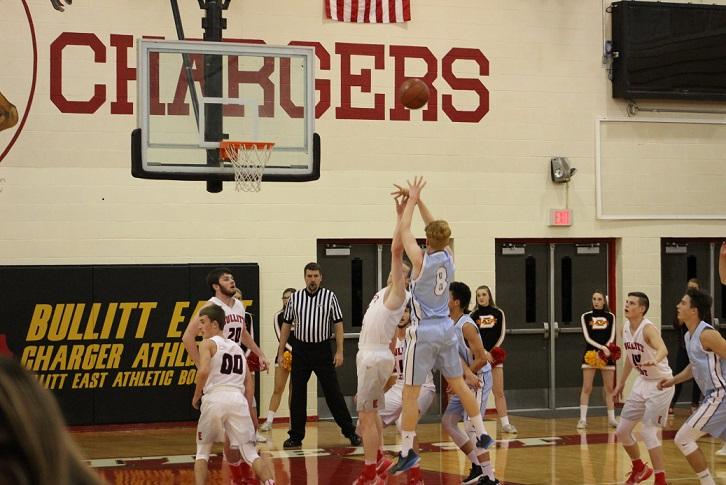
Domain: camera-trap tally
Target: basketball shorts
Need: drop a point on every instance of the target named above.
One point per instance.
(225, 413)
(394, 402)
(374, 367)
(710, 417)
(456, 407)
(431, 345)
(647, 403)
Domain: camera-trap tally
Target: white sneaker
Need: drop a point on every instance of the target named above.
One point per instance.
(613, 423)
(509, 428)
(261, 439)
(266, 426)
(581, 424)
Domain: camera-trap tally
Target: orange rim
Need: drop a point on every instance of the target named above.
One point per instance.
(226, 145)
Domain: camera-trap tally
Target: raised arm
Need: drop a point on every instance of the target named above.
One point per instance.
(722, 264)
(413, 251)
(425, 213)
(189, 338)
(397, 292)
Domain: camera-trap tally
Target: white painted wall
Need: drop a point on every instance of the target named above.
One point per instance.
(68, 196)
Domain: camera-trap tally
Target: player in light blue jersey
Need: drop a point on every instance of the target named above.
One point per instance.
(707, 354)
(475, 361)
(431, 337)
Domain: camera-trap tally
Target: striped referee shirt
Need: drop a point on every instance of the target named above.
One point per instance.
(313, 314)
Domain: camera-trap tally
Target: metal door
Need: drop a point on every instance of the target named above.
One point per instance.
(543, 288)
(355, 271)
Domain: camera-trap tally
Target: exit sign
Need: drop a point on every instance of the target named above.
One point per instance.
(560, 217)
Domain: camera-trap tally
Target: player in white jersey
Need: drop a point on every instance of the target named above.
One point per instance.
(222, 284)
(707, 356)
(478, 376)
(432, 339)
(375, 361)
(646, 353)
(225, 382)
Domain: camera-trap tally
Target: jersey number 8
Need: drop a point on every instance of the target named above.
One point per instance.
(441, 282)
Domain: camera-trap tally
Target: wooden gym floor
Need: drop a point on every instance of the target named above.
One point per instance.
(546, 451)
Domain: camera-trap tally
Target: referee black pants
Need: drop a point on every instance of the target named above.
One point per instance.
(306, 359)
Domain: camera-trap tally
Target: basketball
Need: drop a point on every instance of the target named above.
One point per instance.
(413, 93)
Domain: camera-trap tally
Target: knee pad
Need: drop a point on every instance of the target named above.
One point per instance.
(624, 432)
(686, 440)
(203, 450)
(649, 434)
(249, 453)
(450, 423)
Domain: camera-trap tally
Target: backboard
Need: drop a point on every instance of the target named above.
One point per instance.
(240, 92)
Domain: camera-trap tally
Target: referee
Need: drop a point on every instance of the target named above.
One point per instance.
(314, 310)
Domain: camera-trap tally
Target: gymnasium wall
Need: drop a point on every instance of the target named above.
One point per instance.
(517, 82)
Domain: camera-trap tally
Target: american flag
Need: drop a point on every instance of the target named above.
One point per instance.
(369, 11)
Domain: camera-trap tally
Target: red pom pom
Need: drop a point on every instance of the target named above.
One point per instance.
(253, 362)
(615, 352)
(499, 355)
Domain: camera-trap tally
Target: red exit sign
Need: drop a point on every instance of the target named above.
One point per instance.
(560, 217)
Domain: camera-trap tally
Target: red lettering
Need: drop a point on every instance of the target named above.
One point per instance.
(322, 86)
(179, 106)
(56, 72)
(363, 80)
(465, 84)
(156, 107)
(261, 77)
(400, 53)
(124, 74)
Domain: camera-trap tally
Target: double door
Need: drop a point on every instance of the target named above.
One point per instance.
(355, 271)
(544, 287)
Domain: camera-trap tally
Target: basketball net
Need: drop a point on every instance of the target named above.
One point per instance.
(248, 160)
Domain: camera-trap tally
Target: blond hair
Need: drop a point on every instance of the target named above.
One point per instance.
(438, 234)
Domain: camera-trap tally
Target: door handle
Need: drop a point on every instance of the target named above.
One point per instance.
(716, 323)
(556, 329)
(546, 330)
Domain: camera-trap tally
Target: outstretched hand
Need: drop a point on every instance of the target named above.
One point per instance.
(58, 4)
(400, 201)
(415, 188)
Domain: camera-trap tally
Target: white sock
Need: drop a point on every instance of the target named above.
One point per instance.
(407, 442)
(473, 457)
(504, 420)
(705, 477)
(478, 424)
(611, 414)
(270, 416)
(583, 412)
(486, 467)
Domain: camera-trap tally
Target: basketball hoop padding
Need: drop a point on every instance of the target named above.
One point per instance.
(248, 159)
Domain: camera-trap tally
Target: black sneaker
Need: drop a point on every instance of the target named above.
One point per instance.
(355, 440)
(485, 480)
(474, 475)
(292, 443)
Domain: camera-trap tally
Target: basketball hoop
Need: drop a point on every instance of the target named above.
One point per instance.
(248, 159)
